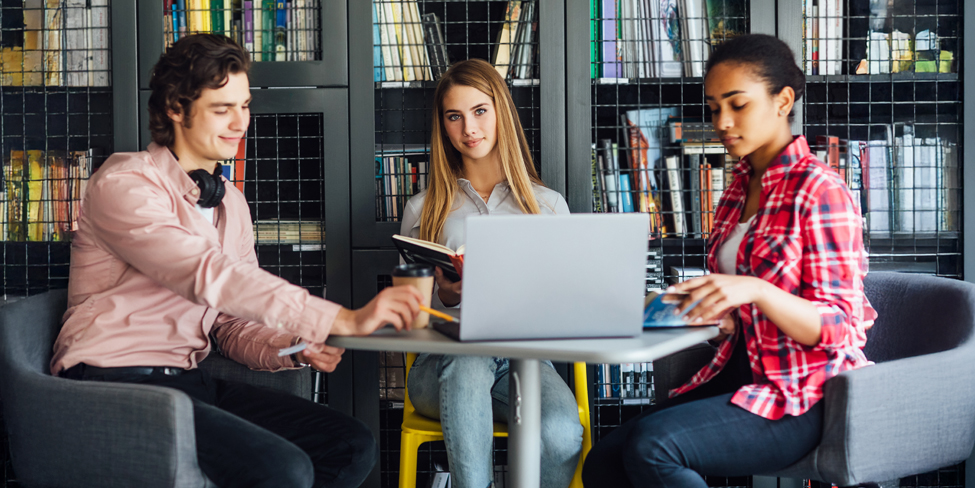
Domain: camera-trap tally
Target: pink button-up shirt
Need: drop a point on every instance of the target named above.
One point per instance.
(151, 277)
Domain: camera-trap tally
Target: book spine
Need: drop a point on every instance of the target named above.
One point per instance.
(249, 27)
(610, 56)
(280, 30)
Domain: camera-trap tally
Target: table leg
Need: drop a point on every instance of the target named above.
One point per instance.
(524, 423)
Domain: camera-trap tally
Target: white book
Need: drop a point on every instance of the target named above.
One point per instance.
(904, 180)
(878, 53)
(421, 45)
(257, 53)
(810, 18)
(625, 44)
(837, 20)
(100, 48)
(406, 57)
(669, 65)
(52, 43)
(643, 49)
(391, 42)
(878, 189)
(695, 37)
(950, 187)
(926, 185)
(676, 194)
(76, 47)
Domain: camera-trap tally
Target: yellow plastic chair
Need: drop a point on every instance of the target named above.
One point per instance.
(418, 429)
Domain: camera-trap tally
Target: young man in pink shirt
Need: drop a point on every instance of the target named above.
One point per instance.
(164, 259)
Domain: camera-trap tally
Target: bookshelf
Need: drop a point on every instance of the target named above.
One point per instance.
(327, 49)
(56, 105)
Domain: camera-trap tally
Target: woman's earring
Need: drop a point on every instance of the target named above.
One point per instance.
(781, 113)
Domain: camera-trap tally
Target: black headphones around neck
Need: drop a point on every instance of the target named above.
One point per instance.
(211, 187)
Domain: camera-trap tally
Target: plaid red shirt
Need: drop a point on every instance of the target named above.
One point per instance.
(807, 239)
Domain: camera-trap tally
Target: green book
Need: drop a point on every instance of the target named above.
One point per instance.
(268, 16)
(595, 35)
(216, 18)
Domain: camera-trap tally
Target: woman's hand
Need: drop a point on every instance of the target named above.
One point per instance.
(726, 327)
(718, 294)
(449, 291)
(321, 357)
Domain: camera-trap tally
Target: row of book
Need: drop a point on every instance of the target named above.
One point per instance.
(407, 46)
(884, 49)
(41, 193)
(904, 184)
(692, 184)
(288, 232)
(517, 47)
(629, 382)
(659, 38)
(270, 30)
(62, 43)
(399, 176)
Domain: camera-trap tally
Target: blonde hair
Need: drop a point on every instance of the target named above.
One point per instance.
(446, 165)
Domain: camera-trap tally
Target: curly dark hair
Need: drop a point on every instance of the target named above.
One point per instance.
(770, 58)
(189, 66)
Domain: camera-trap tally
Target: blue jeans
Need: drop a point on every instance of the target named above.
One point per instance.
(469, 393)
(701, 433)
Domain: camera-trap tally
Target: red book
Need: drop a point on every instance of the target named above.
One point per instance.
(239, 163)
(831, 144)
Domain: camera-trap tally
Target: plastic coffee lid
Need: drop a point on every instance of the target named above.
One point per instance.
(413, 270)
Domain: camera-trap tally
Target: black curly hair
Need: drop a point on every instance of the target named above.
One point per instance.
(189, 66)
(770, 58)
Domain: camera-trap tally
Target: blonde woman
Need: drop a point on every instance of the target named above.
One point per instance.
(481, 165)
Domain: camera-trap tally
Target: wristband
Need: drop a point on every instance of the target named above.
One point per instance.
(294, 356)
(297, 363)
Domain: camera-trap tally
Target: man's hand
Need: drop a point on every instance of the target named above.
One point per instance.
(321, 357)
(396, 305)
(449, 291)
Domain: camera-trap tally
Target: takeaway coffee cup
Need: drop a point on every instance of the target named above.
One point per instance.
(420, 276)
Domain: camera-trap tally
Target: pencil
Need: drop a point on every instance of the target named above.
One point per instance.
(436, 313)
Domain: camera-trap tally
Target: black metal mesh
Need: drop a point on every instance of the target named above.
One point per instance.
(55, 115)
(269, 33)
(55, 125)
(886, 76)
(405, 86)
(638, 99)
(282, 177)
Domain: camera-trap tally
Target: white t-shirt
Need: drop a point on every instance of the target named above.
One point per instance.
(728, 254)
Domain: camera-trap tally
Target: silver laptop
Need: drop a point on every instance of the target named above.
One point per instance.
(552, 277)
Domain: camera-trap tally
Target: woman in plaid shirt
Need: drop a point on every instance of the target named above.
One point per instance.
(787, 264)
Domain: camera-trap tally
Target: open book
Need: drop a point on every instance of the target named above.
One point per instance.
(658, 310)
(426, 252)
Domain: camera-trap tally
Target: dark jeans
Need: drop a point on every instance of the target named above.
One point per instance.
(701, 433)
(260, 437)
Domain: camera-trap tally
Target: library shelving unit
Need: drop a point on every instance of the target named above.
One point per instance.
(886, 87)
(843, 105)
(885, 81)
(56, 103)
(392, 96)
(639, 73)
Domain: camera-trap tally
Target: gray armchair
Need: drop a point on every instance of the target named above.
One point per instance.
(912, 412)
(66, 433)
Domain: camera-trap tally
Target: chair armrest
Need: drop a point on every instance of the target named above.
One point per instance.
(298, 382)
(925, 402)
(100, 433)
